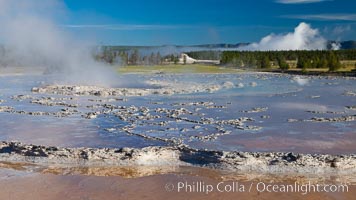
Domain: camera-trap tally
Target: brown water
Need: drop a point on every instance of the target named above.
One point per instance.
(17, 182)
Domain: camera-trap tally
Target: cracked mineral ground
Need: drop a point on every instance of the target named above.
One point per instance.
(222, 112)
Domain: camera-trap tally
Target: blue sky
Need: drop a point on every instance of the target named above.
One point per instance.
(185, 22)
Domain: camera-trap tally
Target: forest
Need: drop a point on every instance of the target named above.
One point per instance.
(283, 59)
(302, 59)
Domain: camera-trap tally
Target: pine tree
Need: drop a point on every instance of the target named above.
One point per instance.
(184, 59)
(158, 59)
(134, 57)
(283, 65)
(265, 63)
(333, 62)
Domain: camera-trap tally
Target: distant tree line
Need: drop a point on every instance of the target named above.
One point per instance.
(205, 55)
(133, 57)
(304, 59)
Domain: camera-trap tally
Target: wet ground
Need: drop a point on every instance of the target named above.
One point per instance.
(20, 181)
(237, 112)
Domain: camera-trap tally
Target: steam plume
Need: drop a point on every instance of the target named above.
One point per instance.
(32, 38)
(303, 38)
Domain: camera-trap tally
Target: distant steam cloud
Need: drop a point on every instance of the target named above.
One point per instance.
(32, 39)
(336, 46)
(303, 38)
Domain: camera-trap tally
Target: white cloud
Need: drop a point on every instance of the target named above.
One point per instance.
(300, 1)
(125, 26)
(325, 17)
(303, 38)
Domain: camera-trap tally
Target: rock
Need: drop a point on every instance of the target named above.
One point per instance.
(274, 162)
(253, 84)
(350, 93)
(7, 109)
(228, 84)
(103, 93)
(240, 85)
(315, 96)
(349, 118)
(196, 127)
(290, 157)
(35, 89)
(256, 110)
(21, 97)
(253, 128)
(164, 88)
(163, 123)
(90, 115)
(335, 163)
(184, 130)
(110, 129)
(179, 155)
(351, 107)
(293, 120)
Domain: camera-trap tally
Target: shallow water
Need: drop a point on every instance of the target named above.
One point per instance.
(281, 96)
(18, 182)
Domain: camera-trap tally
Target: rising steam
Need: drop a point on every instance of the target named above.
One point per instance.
(303, 38)
(32, 38)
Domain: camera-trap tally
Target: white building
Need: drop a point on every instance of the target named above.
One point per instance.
(185, 59)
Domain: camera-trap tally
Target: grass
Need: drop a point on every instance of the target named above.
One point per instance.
(347, 66)
(342, 69)
(192, 68)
